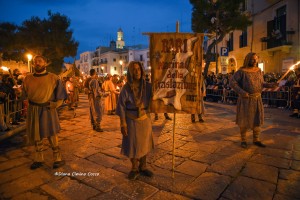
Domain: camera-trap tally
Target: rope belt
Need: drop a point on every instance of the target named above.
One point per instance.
(39, 104)
(133, 117)
(136, 109)
(141, 113)
(254, 95)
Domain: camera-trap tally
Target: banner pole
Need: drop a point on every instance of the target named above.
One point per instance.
(174, 118)
(173, 151)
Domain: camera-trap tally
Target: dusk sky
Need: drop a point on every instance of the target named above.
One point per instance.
(96, 22)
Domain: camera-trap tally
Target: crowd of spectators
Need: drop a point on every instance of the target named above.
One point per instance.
(14, 110)
(223, 79)
(11, 100)
(220, 83)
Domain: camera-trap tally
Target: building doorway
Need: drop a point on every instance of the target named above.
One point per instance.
(232, 65)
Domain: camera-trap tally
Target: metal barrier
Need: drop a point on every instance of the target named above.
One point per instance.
(273, 97)
(213, 93)
(230, 96)
(277, 97)
(14, 111)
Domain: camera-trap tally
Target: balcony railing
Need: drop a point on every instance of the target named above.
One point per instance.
(278, 38)
(269, 43)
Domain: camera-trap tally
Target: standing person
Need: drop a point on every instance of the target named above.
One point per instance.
(296, 95)
(76, 90)
(45, 92)
(110, 101)
(95, 100)
(87, 91)
(70, 91)
(3, 99)
(248, 83)
(136, 127)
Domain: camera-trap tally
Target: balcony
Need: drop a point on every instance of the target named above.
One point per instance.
(278, 37)
(273, 44)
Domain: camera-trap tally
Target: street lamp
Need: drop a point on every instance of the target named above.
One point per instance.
(29, 56)
(121, 63)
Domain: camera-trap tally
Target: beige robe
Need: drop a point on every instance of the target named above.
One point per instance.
(41, 120)
(139, 141)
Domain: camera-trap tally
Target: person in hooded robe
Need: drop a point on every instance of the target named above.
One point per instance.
(248, 83)
(136, 127)
(45, 92)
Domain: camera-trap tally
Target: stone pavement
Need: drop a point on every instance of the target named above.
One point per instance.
(210, 164)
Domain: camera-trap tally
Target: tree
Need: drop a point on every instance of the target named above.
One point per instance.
(8, 42)
(50, 37)
(217, 17)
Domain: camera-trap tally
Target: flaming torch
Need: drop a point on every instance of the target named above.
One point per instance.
(5, 68)
(290, 69)
(10, 74)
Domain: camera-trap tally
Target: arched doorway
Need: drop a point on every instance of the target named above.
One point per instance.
(232, 65)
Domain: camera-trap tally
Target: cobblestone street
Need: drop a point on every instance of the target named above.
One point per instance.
(209, 162)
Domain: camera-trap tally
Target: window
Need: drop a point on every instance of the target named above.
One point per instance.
(276, 29)
(114, 60)
(230, 42)
(141, 57)
(281, 11)
(243, 39)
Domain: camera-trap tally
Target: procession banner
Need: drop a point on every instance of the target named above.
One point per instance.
(176, 72)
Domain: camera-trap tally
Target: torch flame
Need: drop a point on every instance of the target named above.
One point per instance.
(290, 69)
(293, 66)
(5, 68)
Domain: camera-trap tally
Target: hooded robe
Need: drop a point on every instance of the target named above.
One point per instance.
(139, 141)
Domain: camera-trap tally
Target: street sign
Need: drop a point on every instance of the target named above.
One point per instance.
(224, 69)
(224, 60)
(224, 51)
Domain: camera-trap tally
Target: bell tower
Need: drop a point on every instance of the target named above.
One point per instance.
(120, 41)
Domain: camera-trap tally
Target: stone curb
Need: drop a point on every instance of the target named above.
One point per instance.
(12, 132)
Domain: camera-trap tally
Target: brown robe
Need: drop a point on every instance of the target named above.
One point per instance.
(250, 111)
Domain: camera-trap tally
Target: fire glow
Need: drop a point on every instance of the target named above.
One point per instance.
(5, 68)
(290, 69)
